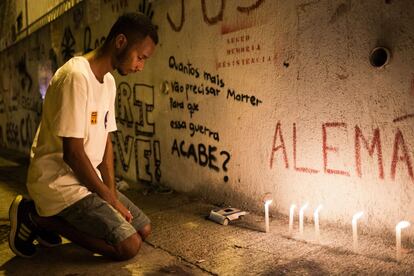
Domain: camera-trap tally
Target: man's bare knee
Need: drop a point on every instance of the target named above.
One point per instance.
(128, 248)
(145, 231)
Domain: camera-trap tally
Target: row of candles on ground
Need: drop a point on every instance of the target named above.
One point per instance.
(401, 225)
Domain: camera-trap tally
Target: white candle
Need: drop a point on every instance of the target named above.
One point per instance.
(400, 225)
(355, 229)
(316, 220)
(267, 203)
(302, 210)
(291, 213)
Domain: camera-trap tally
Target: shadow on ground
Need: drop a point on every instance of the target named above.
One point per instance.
(298, 267)
(67, 259)
(171, 270)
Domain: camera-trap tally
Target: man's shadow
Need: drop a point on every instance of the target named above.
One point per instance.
(65, 259)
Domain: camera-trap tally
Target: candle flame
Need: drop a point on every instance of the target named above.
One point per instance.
(268, 202)
(357, 216)
(402, 224)
(304, 207)
(292, 207)
(317, 210)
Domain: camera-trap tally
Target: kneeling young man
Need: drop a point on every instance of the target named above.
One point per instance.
(71, 176)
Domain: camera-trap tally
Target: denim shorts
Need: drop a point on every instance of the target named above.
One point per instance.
(97, 218)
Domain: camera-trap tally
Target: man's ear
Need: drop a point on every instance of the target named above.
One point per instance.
(121, 41)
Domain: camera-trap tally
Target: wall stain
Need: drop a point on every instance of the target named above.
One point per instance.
(342, 77)
(340, 11)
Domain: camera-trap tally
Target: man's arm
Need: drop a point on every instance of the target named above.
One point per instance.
(107, 167)
(75, 156)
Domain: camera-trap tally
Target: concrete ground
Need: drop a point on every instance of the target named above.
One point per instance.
(185, 243)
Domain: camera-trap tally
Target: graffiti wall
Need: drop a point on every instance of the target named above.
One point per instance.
(247, 97)
(25, 72)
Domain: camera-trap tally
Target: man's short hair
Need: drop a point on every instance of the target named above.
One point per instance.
(135, 26)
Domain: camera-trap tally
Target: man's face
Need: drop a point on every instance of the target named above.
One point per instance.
(132, 58)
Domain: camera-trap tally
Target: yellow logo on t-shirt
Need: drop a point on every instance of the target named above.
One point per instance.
(94, 117)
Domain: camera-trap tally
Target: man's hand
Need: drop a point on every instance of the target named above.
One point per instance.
(74, 155)
(124, 211)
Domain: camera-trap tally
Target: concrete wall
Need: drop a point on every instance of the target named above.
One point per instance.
(247, 97)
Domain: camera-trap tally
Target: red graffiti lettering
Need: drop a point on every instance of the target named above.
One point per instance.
(326, 148)
(375, 144)
(299, 169)
(278, 132)
(401, 153)
(399, 143)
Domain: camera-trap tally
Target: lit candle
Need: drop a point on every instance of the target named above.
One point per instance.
(267, 203)
(400, 225)
(316, 220)
(302, 209)
(291, 213)
(355, 229)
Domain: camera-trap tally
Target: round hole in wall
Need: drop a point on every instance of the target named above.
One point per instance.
(379, 57)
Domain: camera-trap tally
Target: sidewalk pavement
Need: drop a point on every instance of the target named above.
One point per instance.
(184, 242)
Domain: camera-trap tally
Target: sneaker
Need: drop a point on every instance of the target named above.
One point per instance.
(22, 230)
(44, 237)
(48, 238)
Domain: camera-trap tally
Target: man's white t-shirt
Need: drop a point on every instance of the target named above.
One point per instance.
(76, 105)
